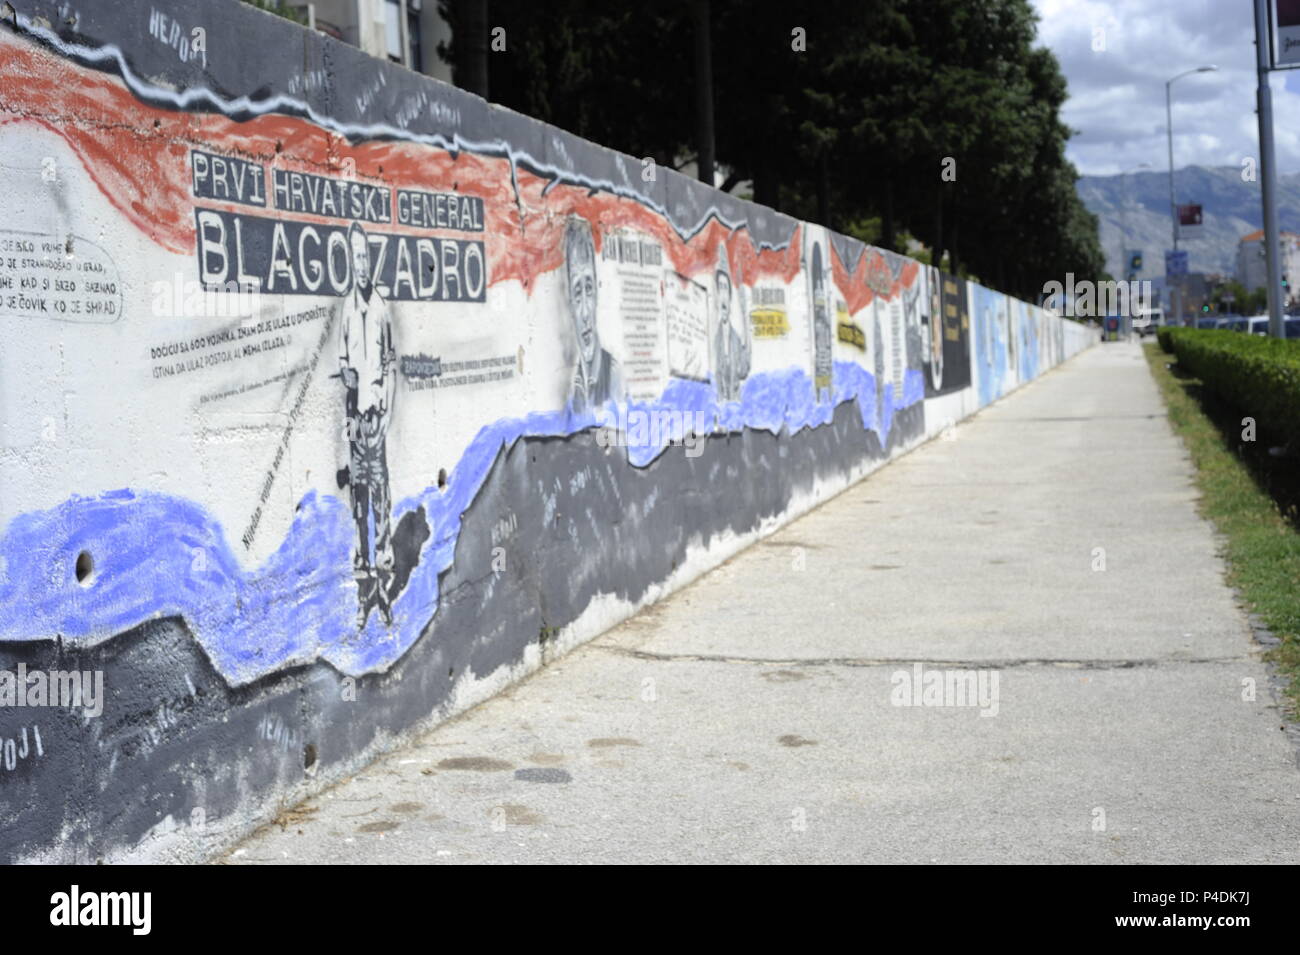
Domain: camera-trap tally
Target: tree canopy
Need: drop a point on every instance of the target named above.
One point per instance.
(937, 120)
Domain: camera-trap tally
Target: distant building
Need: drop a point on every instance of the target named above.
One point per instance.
(403, 31)
(1252, 270)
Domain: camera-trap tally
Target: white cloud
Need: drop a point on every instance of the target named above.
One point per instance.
(1117, 93)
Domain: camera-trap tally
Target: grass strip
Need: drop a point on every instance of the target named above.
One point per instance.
(1261, 535)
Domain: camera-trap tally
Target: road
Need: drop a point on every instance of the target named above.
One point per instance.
(1052, 544)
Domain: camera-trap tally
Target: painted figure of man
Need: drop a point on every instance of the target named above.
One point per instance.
(730, 348)
(935, 327)
(822, 355)
(597, 377)
(368, 367)
(878, 354)
(913, 323)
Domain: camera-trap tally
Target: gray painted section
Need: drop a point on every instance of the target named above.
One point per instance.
(163, 750)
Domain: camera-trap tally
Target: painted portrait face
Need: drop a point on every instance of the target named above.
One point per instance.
(581, 272)
(360, 259)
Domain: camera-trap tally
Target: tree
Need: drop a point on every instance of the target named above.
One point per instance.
(849, 114)
(619, 75)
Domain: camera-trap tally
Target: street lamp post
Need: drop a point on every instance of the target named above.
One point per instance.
(1169, 129)
(1268, 171)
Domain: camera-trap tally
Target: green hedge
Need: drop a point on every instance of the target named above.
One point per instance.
(1257, 375)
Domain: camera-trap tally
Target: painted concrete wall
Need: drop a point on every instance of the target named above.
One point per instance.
(480, 390)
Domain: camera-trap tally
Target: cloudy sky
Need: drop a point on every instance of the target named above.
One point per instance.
(1117, 93)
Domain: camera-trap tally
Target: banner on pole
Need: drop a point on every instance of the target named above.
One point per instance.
(1285, 28)
(1189, 220)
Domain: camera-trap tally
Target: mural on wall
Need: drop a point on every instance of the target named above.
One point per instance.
(768, 316)
(950, 351)
(378, 329)
(596, 377)
(820, 315)
(367, 365)
(731, 349)
(876, 341)
(634, 274)
(915, 317)
(994, 344)
(686, 314)
(1027, 347)
(929, 304)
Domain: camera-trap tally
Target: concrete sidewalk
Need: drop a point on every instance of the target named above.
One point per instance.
(748, 718)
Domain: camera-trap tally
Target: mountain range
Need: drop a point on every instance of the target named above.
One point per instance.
(1138, 203)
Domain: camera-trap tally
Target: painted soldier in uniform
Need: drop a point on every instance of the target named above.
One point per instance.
(367, 365)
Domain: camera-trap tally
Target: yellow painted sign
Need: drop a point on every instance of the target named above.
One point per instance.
(769, 323)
